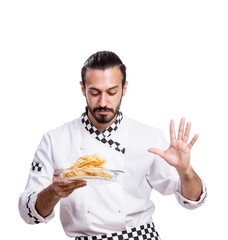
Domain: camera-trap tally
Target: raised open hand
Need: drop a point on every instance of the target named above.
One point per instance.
(178, 153)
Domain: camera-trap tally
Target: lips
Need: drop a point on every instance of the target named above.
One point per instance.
(103, 112)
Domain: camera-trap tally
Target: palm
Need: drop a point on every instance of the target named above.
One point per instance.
(178, 153)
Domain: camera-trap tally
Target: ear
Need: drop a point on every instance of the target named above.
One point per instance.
(125, 88)
(83, 88)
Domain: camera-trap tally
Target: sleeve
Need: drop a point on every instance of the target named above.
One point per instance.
(40, 176)
(166, 181)
(186, 203)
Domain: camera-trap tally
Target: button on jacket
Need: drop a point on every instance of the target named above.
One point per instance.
(104, 208)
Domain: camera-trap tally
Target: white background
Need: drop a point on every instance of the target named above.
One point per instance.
(176, 54)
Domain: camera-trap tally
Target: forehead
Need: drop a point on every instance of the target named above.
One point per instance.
(103, 78)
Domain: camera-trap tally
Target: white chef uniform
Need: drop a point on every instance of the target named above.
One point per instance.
(104, 208)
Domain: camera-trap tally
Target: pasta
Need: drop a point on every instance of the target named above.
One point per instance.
(88, 165)
(92, 160)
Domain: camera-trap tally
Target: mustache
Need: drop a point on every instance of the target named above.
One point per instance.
(103, 109)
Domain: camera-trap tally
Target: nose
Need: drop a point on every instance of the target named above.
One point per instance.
(103, 100)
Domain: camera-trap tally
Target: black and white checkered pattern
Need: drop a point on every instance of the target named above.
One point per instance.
(138, 233)
(104, 137)
(36, 166)
(35, 219)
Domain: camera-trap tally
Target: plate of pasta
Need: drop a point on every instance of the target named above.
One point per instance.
(91, 168)
(90, 173)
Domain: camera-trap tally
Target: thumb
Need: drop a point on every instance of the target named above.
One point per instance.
(156, 151)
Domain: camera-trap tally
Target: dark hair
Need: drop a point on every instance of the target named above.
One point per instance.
(103, 60)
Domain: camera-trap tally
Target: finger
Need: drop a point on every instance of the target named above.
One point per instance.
(181, 129)
(187, 132)
(73, 184)
(76, 185)
(66, 192)
(57, 177)
(79, 183)
(64, 188)
(172, 131)
(192, 142)
(157, 152)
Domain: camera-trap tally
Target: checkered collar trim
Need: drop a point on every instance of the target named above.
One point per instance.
(105, 136)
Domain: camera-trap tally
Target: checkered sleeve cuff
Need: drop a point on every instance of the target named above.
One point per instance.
(186, 203)
(32, 214)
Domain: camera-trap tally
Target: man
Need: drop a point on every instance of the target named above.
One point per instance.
(121, 209)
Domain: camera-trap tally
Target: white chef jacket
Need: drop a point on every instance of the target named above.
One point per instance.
(104, 208)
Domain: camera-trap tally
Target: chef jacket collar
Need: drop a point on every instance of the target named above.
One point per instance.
(105, 136)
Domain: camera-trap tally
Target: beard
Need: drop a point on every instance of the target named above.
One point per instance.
(103, 119)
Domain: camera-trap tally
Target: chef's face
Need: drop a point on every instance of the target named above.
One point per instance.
(103, 91)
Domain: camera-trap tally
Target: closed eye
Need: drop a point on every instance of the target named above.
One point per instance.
(112, 93)
(94, 92)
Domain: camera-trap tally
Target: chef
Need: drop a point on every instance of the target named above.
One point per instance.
(122, 208)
